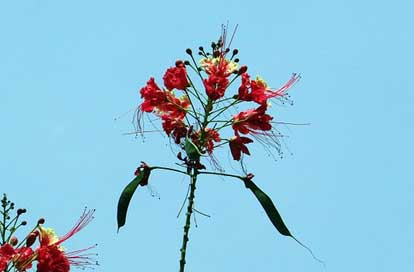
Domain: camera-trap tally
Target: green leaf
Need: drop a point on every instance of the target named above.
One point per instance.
(269, 207)
(126, 196)
(274, 215)
(191, 149)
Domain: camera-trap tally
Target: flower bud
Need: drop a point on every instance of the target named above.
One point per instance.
(188, 51)
(31, 238)
(242, 70)
(21, 211)
(179, 63)
(24, 223)
(186, 62)
(41, 221)
(13, 241)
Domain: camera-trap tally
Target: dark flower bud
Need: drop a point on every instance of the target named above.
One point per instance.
(201, 48)
(179, 63)
(188, 51)
(235, 52)
(31, 238)
(242, 69)
(227, 50)
(41, 221)
(20, 211)
(24, 223)
(186, 62)
(236, 60)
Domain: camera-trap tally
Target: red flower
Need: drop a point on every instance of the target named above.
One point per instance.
(6, 253)
(24, 258)
(50, 255)
(260, 91)
(176, 77)
(209, 137)
(174, 107)
(215, 86)
(244, 88)
(219, 69)
(162, 102)
(251, 121)
(174, 127)
(52, 259)
(238, 146)
(153, 96)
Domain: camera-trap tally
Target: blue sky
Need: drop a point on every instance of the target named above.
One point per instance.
(69, 68)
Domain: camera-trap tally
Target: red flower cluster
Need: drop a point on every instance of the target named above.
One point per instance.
(218, 70)
(49, 255)
(204, 110)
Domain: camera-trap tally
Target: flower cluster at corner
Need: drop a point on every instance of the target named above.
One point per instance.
(202, 114)
(41, 249)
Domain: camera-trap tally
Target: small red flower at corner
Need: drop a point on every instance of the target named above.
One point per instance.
(51, 256)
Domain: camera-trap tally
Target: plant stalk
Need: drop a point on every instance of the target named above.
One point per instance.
(183, 249)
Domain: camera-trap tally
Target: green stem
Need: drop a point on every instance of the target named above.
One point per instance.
(168, 169)
(3, 234)
(221, 174)
(191, 197)
(195, 116)
(196, 93)
(223, 109)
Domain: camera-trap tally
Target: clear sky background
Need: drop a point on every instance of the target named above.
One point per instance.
(68, 68)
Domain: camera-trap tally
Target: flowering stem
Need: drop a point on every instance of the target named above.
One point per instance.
(188, 218)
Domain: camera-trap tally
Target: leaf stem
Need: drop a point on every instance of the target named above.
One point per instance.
(221, 174)
(168, 169)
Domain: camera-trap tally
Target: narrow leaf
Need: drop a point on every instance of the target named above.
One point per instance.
(274, 215)
(191, 149)
(126, 196)
(269, 208)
